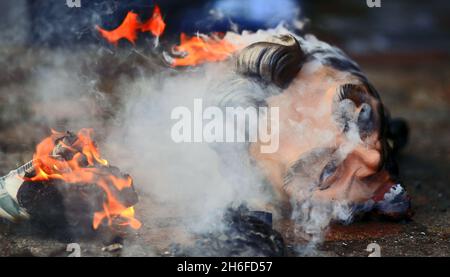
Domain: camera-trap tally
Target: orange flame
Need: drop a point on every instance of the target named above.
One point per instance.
(199, 50)
(155, 24)
(85, 167)
(195, 50)
(131, 25)
(127, 30)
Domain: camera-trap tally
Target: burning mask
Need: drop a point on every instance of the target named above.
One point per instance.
(334, 132)
(335, 137)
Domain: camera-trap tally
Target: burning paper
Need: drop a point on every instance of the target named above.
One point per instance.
(131, 26)
(72, 163)
(200, 49)
(193, 50)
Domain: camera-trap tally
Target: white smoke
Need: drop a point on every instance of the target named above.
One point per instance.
(193, 182)
(189, 179)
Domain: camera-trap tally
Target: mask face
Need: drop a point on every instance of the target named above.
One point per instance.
(332, 142)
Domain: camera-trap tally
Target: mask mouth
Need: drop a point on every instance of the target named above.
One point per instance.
(392, 203)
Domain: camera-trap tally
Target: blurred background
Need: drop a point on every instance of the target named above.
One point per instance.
(401, 25)
(403, 47)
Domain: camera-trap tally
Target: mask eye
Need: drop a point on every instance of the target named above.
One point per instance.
(365, 120)
(353, 106)
(327, 175)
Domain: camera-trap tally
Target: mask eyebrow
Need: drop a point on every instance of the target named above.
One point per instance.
(358, 93)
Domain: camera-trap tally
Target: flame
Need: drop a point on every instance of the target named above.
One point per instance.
(155, 24)
(85, 167)
(127, 30)
(195, 50)
(131, 25)
(201, 49)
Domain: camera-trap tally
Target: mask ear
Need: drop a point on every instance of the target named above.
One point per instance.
(272, 62)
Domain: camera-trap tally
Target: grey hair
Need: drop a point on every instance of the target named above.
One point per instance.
(273, 62)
